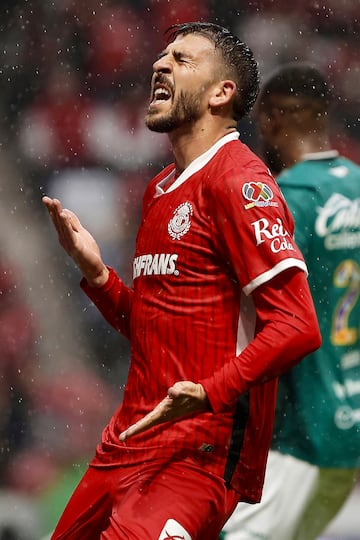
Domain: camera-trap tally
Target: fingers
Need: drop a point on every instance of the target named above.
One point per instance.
(156, 416)
(59, 214)
(184, 398)
(55, 209)
(63, 222)
(53, 205)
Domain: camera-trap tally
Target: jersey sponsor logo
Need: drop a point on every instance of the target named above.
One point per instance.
(350, 388)
(350, 359)
(180, 223)
(172, 530)
(338, 222)
(259, 194)
(158, 264)
(346, 418)
(273, 233)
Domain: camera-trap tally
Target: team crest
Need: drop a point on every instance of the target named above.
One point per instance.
(180, 223)
(258, 193)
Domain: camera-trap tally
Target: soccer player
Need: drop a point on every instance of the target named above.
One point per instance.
(315, 455)
(219, 307)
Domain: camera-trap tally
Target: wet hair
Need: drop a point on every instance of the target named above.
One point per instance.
(301, 80)
(239, 62)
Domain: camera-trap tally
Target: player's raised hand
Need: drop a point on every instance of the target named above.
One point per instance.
(183, 398)
(77, 242)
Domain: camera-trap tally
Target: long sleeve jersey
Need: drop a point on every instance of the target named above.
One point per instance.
(219, 297)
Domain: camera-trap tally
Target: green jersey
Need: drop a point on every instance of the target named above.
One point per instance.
(318, 416)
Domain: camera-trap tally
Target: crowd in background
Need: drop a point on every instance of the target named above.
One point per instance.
(75, 84)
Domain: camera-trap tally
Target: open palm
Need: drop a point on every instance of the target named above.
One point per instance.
(78, 243)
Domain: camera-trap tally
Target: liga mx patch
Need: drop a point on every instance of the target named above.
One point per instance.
(259, 194)
(174, 531)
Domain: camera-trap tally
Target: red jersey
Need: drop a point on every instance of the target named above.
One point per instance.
(205, 245)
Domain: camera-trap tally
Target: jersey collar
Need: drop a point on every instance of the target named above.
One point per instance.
(328, 154)
(195, 165)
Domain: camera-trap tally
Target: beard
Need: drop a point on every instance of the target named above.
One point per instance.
(273, 159)
(185, 109)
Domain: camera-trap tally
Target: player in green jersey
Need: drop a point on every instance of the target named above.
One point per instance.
(315, 456)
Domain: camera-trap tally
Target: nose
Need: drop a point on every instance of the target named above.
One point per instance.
(162, 64)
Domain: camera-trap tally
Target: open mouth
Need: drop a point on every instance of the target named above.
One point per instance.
(160, 95)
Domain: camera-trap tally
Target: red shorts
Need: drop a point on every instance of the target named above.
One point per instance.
(157, 501)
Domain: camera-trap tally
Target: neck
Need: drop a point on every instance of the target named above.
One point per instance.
(300, 146)
(190, 142)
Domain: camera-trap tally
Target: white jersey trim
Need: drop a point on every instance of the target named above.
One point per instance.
(326, 154)
(274, 271)
(196, 165)
(246, 323)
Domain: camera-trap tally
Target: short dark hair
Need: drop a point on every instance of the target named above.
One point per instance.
(298, 79)
(238, 59)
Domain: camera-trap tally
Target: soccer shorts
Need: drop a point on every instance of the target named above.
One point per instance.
(155, 501)
(298, 502)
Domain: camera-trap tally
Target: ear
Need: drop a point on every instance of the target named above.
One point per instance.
(222, 93)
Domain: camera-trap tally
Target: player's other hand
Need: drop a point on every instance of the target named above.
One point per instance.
(183, 398)
(77, 242)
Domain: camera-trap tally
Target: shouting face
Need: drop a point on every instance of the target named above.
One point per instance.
(183, 75)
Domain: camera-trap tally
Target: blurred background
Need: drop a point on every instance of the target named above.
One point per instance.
(74, 88)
